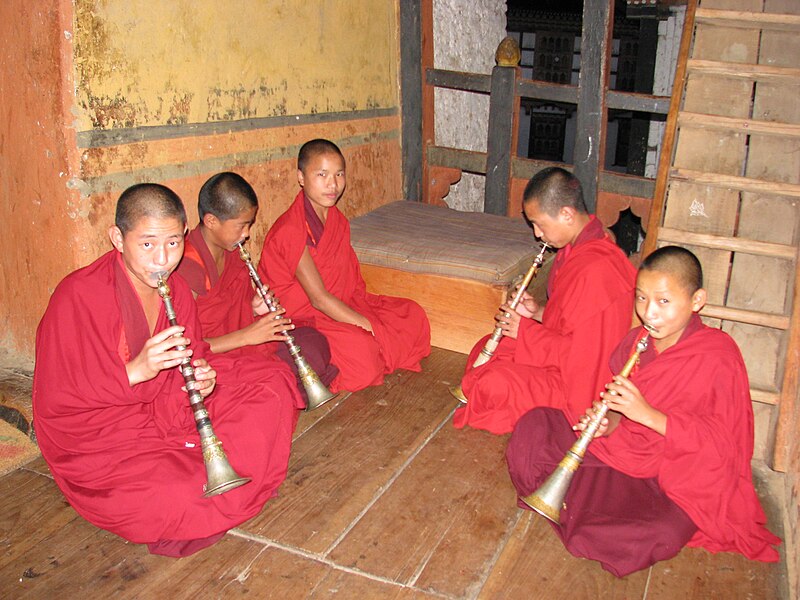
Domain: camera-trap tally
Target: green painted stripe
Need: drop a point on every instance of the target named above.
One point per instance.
(121, 181)
(102, 138)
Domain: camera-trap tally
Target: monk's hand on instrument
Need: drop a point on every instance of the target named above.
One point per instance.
(258, 304)
(205, 377)
(158, 353)
(508, 320)
(269, 328)
(583, 422)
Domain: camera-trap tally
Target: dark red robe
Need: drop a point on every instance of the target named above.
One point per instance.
(562, 361)
(224, 305)
(401, 330)
(631, 500)
(128, 458)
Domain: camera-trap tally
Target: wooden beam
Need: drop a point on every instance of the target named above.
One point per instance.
(747, 126)
(748, 19)
(745, 184)
(732, 244)
(590, 138)
(428, 119)
(551, 92)
(670, 131)
(411, 98)
(500, 146)
(743, 70)
(752, 317)
(458, 80)
(657, 105)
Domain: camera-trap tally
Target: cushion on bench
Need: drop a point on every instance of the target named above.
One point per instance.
(422, 238)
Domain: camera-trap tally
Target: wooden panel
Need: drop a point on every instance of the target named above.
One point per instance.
(706, 576)
(347, 460)
(535, 564)
(749, 20)
(453, 328)
(451, 511)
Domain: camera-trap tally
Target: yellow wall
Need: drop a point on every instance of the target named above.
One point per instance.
(107, 93)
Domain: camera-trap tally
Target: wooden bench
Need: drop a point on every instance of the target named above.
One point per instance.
(456, 265)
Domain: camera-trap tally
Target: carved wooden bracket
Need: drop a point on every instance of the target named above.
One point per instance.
(441, 178)
(610, 205)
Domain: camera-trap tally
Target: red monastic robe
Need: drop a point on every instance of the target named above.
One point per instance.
(128, 459)
(703, 462)
(639, 497)
(401, 330)
(562, 361)
(224, 305)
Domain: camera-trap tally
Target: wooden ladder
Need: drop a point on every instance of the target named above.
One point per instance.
(728, 187)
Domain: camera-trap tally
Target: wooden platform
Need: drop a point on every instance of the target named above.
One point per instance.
(384, 499)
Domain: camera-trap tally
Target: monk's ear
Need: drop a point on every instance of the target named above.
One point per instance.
(699, 300)
(300, 178)
(210, 221)
(567, 214)
(116, 237)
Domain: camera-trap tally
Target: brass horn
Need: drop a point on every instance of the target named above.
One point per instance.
(220, 476)
(548, 499)
(316, 391)
(491, 344)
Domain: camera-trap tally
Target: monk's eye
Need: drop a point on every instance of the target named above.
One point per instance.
(147, 245)
(663, 301)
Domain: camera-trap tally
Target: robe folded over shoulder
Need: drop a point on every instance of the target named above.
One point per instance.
(224, 306)
(703, 461)
(401, 330)
(562, 361)
(128, 458)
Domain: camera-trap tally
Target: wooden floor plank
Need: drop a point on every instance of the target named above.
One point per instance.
(696, 574)
(534, 564)
(348, 457)
(440, 525)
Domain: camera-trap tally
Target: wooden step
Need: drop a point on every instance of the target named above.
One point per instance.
(743, 70)
(732, 244)
(747, 126)
(740, 315)
(748, 19)
(745, 184)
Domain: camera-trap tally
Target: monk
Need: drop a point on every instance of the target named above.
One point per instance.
(309, 263)
(557, 353)
(670, 464)
(234, 318)
(110, 407)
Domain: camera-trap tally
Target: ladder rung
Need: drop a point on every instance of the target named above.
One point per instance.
(751, 317)
(747, 19)
(745, 184)
(732, 244)
(743, 70)
(764, 396)
(747, 126)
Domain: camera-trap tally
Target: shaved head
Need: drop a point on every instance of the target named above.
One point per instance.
(554, 188)
(314, 148)
(147, 200)
(678, 262)
(226, 196)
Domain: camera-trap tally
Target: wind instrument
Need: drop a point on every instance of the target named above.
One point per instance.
(220, 476)
(316, 391)
(488, 349)
(548, 498)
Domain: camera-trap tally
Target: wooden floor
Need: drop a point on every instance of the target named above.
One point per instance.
(384, 499)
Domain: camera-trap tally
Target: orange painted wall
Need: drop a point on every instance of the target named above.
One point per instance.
(99, 94)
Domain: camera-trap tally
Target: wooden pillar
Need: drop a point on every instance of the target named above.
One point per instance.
(426, 62)
(503, 118)
(411, 77)
(590, 135)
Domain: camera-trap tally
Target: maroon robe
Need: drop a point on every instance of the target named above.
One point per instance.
(562, 361)
(630, 502)
(128, 458)
(224, 306)
(401, 331)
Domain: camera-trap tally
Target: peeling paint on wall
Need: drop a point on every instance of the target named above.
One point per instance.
(142, 63)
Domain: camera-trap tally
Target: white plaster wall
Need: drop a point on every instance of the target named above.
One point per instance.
(466, 34)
